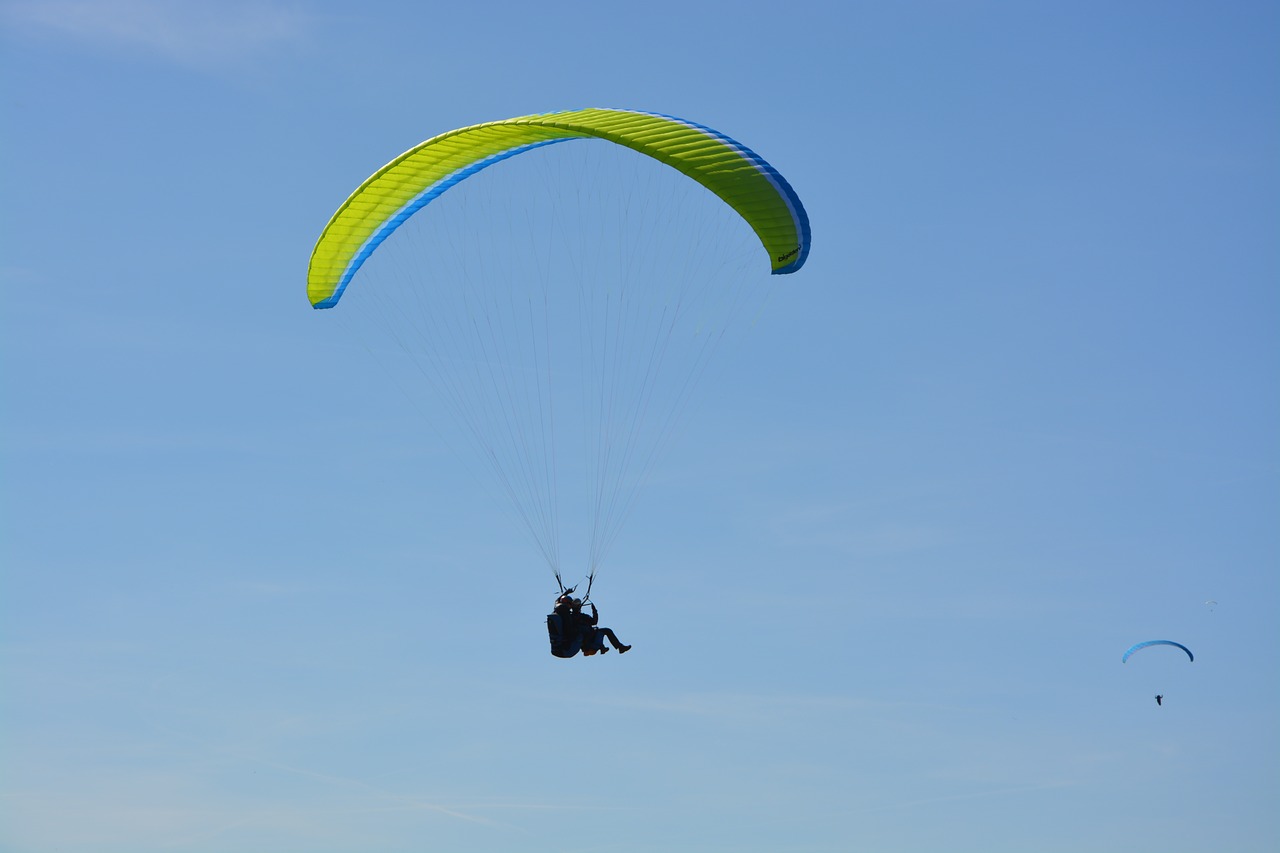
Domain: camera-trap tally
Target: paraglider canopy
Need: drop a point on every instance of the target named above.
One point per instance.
(1138, 646)
(735, 173)
(550, 291)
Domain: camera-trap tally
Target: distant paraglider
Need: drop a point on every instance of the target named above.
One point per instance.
(1139, 646)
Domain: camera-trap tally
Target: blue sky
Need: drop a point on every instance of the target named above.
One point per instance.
(1019, 410)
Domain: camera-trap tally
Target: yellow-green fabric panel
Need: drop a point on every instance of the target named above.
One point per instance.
(393, 186)
(735, 174)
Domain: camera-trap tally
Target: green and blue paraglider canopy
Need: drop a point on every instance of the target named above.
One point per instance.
(735, 173)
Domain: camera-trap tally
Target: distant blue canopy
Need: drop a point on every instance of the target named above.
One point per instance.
(1133, 649)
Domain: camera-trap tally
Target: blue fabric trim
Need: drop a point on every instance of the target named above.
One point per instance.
(415, 204)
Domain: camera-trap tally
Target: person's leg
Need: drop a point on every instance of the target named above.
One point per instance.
(613, 638)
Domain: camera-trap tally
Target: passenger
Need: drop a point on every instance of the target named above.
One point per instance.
(593, 636)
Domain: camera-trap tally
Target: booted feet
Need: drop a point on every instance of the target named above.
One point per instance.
(622, 650)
